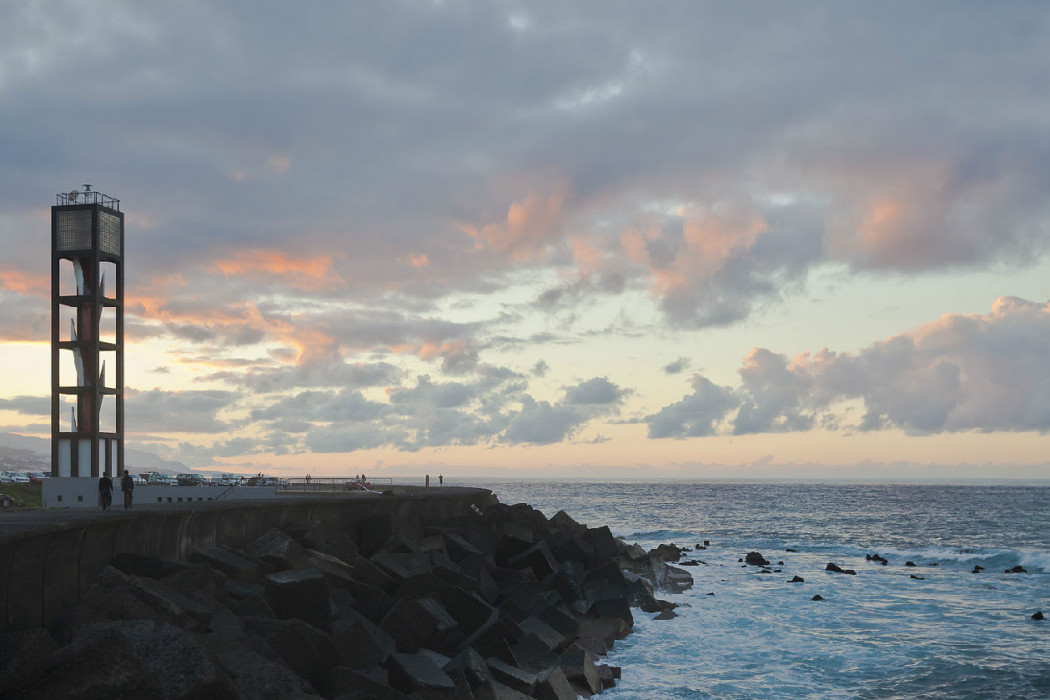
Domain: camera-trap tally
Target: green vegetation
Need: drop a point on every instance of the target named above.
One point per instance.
(30, 493)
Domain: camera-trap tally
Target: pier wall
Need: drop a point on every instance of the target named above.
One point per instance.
(43, 573)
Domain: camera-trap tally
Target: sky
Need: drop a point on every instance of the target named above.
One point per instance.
(592, 239)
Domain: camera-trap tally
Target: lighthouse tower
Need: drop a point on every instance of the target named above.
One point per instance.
(87, 334)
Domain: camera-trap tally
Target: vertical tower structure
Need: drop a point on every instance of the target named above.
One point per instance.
(87, 334)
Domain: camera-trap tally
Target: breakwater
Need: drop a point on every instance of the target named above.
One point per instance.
(445, 595)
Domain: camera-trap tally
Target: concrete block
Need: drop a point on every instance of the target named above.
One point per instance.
(302, 594)
(420, 674)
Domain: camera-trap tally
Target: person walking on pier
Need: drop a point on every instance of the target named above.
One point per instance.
(127, 485)
(105, 491)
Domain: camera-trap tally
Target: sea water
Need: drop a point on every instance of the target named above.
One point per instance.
(932, 630)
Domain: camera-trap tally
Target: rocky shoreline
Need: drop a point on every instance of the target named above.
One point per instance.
(502, 603)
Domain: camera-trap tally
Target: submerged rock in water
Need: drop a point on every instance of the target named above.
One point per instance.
(1038, 615)
(977, 569)
(797, 579)
(1016, 570)
(817, 597)
(832, 566)
(756, 559)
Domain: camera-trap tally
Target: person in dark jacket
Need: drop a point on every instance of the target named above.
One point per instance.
(127, 485)
(105, 491)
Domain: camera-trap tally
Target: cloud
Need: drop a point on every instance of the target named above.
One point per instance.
(981, 372)
(27, 405)
(597, 391)
(541, 423)
(677, 366)
(165, 412)
(696, 415)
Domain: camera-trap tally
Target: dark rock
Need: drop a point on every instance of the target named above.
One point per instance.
(755, 559)
(533, 654)
(603, 542)
(118, 596)
(580, 669)
(664, 553)
(909, 563)
(76, 671)
(151, 567)
(307, 650)
(1016, 570)
(310, 534)
(255, 669)
(612, 607)
(494, 690)
(373, 532)
(513, 540)
(666, 615)
(471, 664)
(552, 684)
(832, 566)
(553, 639)
(919, 578)
(608, 675)
(791, 550)
(229, 562)
(354, 683)
(402, 565)
(469, 611)
(253, 606)
(977, 569)
(1038, 615)
(278, 551)
(415, 622)
(538, 559)
(202, 583)
(361, 643)
(817, 597)
(419, 673)
(341, 546)
(302, 594)
(797, 579)
(22, 656)
(511, 676)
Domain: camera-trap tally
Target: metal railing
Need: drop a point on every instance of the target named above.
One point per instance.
(331, 484)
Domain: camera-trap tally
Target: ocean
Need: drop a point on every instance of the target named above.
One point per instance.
(933, 630)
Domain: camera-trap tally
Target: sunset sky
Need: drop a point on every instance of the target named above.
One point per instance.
(598, 239)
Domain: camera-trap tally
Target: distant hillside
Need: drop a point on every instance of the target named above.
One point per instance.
(22, 446)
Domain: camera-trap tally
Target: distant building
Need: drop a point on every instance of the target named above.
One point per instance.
(87, 334)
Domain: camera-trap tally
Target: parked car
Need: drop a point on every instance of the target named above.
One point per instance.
(190, 480)
(14, 477)
(158, 479)
(227, 479)
(137, 479)
(38, 477)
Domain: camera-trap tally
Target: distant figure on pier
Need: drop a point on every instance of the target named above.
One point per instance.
(105, 491)
(428, 481)
(127, 485)
(307, 479)
(441, 480)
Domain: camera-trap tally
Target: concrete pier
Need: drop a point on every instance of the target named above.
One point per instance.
(48, 558)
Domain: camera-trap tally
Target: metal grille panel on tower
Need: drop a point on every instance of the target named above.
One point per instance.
(74, 230)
